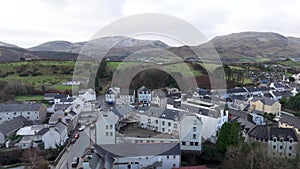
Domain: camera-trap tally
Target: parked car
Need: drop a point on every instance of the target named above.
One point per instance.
(81, 128)
(76, 135)
(73, 140)
(75, 162)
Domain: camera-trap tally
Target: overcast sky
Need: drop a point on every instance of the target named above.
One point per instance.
(27, 23)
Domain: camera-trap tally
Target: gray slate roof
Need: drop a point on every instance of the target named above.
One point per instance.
(264, 100)
(20, 107)
(126, 91)
(143, 88)
(121, 111)
(268, 132)
(290, 120)
(14, 124)
(136, 150)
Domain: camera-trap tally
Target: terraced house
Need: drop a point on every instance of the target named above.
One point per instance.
(34, 112)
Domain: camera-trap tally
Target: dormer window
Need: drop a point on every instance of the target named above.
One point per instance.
(281, 139)
(274, 139)
(291, 140)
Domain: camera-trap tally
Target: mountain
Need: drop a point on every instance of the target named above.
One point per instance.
(232, 48)
(97, 45)
(245, 47)
(255, 46)
(9, 54)
(2, 44)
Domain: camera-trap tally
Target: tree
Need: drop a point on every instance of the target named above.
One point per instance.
(230, 134)
(34, 158)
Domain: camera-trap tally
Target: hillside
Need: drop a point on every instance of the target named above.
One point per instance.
(232, 48)
(97, 45)
(247, 47)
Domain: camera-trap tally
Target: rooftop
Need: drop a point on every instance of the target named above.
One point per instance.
(136, 150)
(144, 133)
(20, 107)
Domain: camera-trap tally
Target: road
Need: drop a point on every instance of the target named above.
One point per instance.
(75, 150)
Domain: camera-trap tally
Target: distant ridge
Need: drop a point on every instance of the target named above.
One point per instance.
(232, 48)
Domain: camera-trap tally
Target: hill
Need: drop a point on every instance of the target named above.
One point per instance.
(233, 48)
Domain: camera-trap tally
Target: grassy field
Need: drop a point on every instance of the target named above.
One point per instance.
(290, 63)
(37, 73)
(182, 68)
(30, 97)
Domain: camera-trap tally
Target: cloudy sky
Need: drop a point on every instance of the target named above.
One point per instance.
(31, 22)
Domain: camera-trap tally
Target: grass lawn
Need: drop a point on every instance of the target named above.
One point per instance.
(64, 87)
(30, 97)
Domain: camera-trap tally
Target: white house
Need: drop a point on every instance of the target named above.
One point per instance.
(106, 128)
(111, 95)
(55, 135)
(63, 99)
(34, 112)
(281, 142)
(136, 156)
(144, 95)
(191, 128)
(126, 97)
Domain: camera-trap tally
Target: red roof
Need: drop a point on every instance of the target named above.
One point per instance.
(191, 167)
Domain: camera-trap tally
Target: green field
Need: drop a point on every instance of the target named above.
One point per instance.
(30, 97)
(290, 63)
(37, 73)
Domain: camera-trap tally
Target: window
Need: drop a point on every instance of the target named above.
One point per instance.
(163, 129)
(156, 121)
(281, 140)
(28, 112)
(274, 139)
(15, 113)
(274, 147)
(196, 144)
(174, 156)
(191, 143)
(183, 143)
(290, 154)
(163, 123)
(195, 121)
(290, 148)
(174, 165)
(106, 133)
(194, 129)
(194, 136)
(281, 147)
(149, 121)
(106, 126)
(111, 133)
(175, 126)
(169, 124)
(291, 140)
(168, 157)
(111, 126)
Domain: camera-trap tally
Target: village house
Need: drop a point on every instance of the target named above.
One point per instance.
(63, 99)
(144, 95)
(112, 94)
(126, 97)
(32, 111)
(122, 156)
(281, 142)
(265, 104)
(289, 121)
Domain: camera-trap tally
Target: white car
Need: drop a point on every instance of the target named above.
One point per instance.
(81, 128)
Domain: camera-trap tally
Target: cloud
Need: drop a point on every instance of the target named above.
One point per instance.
(28, 23)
